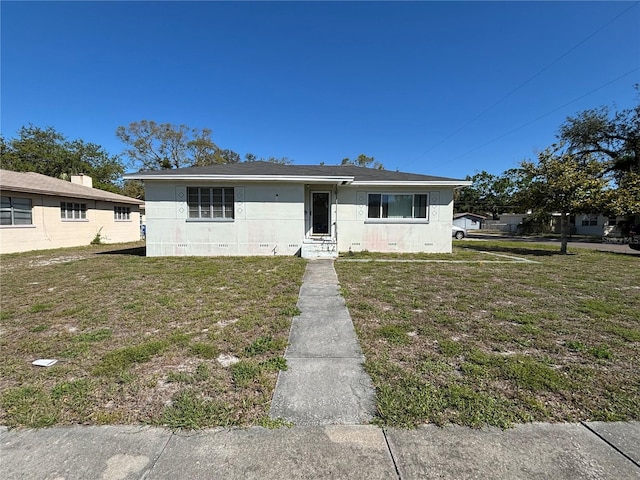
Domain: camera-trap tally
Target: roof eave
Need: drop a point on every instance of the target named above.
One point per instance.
(413, 183)
(243, 178)
(70, 195)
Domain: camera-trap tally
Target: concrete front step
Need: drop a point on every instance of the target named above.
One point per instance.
(319, 249)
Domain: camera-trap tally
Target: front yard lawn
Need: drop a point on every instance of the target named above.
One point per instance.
(137, 339)
(497, 344)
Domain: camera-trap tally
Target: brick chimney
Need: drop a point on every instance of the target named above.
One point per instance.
(82, 179)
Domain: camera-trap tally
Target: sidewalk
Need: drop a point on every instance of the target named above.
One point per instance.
(558, 451)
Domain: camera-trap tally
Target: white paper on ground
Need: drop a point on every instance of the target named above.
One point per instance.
(44, 362)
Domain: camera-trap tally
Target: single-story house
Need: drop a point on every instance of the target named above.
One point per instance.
(468, 221)
(262, 208)
(39, 212)
(594, 224)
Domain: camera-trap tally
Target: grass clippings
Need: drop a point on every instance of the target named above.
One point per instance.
(499, 343)
(137, 338)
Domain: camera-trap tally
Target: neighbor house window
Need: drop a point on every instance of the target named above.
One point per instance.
(589, 221)
(73, 211)
(210, 202)
(397, 205)
(612, 221)
(15, 211)
(122, 213)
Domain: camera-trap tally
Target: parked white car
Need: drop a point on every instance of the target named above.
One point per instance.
(458, 232)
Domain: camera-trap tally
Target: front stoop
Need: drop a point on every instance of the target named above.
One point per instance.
(319, 248)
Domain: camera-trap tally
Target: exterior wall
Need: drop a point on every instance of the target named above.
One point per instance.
(269, 220)
(596, 230)
(274, 219)
(48, 230)
(356, 232)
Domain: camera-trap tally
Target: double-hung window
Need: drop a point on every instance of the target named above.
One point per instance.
(210, 203)
(15, 211)
(397, 205)
(121, 213)
(73, 211)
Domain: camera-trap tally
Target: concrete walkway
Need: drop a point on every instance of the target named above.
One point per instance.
(532, 451)
(325, 383)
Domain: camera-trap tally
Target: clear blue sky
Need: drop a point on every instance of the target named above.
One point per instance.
(425, 87)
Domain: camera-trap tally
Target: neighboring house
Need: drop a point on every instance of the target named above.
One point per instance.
(261, 208)
(591, 224)
(39, 212)
(468, 221)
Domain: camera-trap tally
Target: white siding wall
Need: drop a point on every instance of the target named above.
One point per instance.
(356, 233)
(50, 231)
(269, 220)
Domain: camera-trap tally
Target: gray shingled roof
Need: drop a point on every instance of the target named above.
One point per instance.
(30, 182)
(360, 174)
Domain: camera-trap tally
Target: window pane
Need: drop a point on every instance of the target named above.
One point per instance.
(21, 217)
(83, 210)
(192, 196)
(385, 206)
(5, 202)
(5, 217)
(228, 203)
(374, 205)
(21, 203)
(217, 203)
(399, 206)
(420, 205)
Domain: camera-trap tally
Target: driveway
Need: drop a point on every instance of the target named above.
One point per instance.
(602, 247)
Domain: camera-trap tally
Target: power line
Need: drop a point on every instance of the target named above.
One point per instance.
(540, 72)
(546, 114)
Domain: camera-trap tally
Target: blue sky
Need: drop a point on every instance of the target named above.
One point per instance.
(425, 87)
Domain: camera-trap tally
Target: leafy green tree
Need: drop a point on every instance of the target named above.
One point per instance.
(229, 156)
(489, 194)
(49, 152)
(563, 182)
(250, 157)
(613, 137)
(157, 146)
(133, 189)
(363, 161)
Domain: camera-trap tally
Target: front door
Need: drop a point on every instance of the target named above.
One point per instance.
(320, 213)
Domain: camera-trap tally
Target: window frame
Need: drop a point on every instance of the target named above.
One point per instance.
(380, 205)
(221, 206)
(73, 208)
(12, 209)
(121, 213)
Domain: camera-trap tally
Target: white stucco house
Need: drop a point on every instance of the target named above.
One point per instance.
(261, 208)
(39, 212)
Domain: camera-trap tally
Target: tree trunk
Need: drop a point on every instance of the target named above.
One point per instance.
(564, 229)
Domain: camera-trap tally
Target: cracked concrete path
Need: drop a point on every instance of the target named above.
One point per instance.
(325, 383)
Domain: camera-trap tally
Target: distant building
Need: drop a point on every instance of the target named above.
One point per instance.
(468, 221)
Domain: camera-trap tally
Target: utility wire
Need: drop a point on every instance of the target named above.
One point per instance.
(536, 75)
(546, 114)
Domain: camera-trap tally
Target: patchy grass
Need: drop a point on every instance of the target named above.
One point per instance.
(499, 343)
(137, 338)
